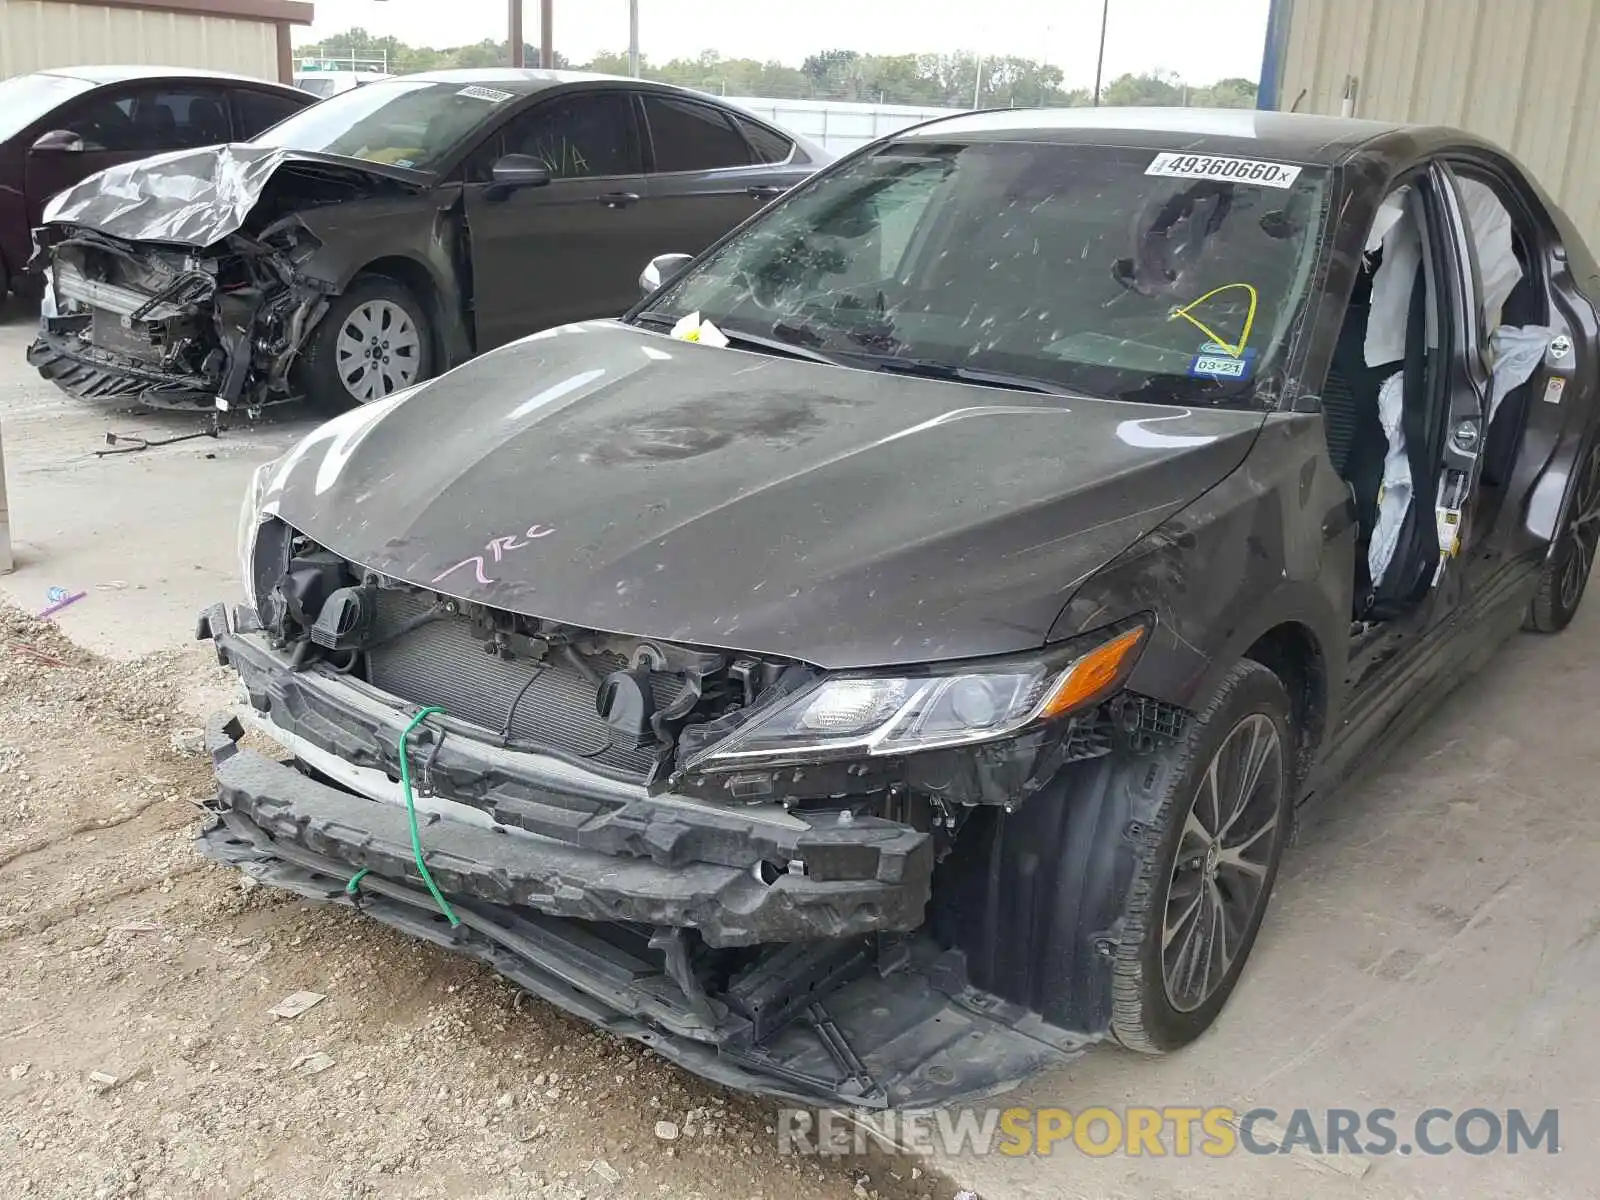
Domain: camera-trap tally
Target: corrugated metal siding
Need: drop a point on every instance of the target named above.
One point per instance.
(1522, 73)
(35, 35)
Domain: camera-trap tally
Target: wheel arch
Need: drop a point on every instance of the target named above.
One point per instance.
(1292, 651)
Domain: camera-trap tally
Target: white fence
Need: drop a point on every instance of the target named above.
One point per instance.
(839, 126)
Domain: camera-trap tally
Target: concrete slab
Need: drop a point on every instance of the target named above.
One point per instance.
(148, 536)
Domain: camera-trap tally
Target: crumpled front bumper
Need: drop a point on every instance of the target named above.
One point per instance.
(607, 901)
(515, 828)
(89, 373)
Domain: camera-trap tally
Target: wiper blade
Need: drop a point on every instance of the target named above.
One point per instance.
(928, 368)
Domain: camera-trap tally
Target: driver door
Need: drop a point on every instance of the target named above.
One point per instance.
(572, 249)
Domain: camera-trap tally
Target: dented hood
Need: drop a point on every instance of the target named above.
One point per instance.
(198, 197)
(614, 478)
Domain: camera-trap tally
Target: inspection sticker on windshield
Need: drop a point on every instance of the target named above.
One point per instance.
(1215, 362)
(1210, 166)
(492, 95)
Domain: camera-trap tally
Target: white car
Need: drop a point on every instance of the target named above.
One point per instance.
(323, 84)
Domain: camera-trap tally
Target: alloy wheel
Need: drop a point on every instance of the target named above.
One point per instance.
(1583, 532)
(1219, 874)
(379, 350)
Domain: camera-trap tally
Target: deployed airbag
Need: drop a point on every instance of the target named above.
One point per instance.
(1394, 497)
(1517, 350)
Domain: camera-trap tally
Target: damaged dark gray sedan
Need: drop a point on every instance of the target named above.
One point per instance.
(388, 233)
(889, 659)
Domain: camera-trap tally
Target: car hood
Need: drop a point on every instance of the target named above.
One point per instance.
(609, 477)
(198, 197)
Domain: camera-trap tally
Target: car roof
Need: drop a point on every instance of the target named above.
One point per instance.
(103, 74)
(1302, 137)
(525, 81)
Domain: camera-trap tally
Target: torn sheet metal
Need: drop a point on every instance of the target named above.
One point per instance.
(197, 197)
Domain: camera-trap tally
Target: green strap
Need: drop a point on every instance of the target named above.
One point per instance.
(411, 813)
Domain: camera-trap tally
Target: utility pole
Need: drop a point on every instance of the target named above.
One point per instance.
(1100, 62)
(514, 34)
(633, 38)
(547, 35)
(977, 85)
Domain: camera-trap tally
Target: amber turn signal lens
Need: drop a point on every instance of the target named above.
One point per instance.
(1095, 674)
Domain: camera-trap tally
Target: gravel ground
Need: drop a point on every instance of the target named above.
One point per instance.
(138, 1056)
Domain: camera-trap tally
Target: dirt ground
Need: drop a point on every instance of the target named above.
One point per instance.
(138, 1056)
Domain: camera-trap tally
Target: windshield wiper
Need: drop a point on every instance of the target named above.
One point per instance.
(929, 368)
(738, 337)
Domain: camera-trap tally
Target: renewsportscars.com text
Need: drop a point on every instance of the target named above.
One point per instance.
(1213, 1132)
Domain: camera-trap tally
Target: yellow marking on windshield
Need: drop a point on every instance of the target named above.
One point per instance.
(1234, 349)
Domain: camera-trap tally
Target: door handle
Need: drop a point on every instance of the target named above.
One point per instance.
(618, 199)
(764, 191)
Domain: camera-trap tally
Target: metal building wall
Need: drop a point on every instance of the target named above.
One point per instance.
(35, 34)
(1522, 73)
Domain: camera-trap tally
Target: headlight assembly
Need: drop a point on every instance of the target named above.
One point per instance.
(858, 715)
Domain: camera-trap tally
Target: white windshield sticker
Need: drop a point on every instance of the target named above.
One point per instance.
(1211, 166)
(493, 95)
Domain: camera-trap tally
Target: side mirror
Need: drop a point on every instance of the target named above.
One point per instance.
(512, 172)
(58, 141)
(661, 268)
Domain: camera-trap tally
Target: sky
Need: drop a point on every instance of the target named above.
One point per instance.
(1200, 40)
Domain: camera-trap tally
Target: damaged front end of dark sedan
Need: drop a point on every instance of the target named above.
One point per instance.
(195, 280)
(613, 822)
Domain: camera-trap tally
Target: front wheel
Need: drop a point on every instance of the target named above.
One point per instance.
(1565, 574)
(373, 341)
(1206, 865)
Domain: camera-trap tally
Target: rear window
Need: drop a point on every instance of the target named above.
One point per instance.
(693, 137)
(1113, 271)
(768, 145)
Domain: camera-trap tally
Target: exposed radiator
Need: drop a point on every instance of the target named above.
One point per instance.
(72, 284)
(442, 663)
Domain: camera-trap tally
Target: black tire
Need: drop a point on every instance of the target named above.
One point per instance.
(333, 381)
(1565, 574)
(1145, 1015)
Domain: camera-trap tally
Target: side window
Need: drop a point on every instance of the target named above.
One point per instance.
(693, 137)
(577, 137)
(255, 112)
(104, 121)
(767, 145)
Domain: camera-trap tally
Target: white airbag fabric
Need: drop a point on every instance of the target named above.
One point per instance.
(1392, 284)
(1498, 269)
(1518, 351)
(1394, 497)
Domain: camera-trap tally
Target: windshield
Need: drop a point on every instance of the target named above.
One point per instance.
(405, 123)
(26, 98)
(1118, 272)
(318, 85)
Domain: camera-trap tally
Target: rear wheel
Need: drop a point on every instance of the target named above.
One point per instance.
(373, 341)
(1565, 574)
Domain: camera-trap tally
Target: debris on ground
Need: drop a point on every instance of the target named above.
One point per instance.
(312, 1064)
(292, 1005)
(667, 1131)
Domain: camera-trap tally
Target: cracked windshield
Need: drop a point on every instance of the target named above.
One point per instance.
(1096, 269)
